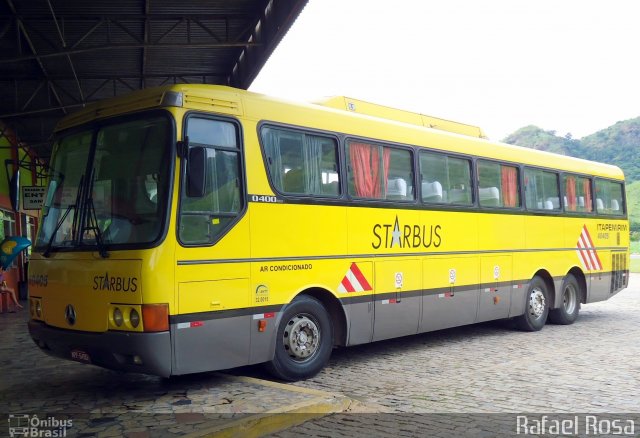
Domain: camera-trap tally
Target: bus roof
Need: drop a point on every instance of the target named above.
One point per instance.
(336, 114)
(388, 113)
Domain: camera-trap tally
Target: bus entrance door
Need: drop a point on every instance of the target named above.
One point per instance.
(213, 326)
(397, 298)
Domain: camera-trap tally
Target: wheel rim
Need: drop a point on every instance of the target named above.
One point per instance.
(570, 299)
(537, 303)
(301, 337)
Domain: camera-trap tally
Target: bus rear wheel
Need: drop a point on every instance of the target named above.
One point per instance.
(568, 312)
(303, 342)
(536, 307)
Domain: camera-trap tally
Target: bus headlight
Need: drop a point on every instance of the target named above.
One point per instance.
(118, 319)
(39, 309)
(134, 318)
(125, 317)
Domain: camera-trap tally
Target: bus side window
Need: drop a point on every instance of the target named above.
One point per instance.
(400, 175)
(498, 185)
(609, 198)
(433, 171)
(577, 194)
(301, 163)
(542, 191)
(380, 172)
(445, 179)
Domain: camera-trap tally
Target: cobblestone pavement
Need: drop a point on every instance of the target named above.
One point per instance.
(591, 366)
(106, 403)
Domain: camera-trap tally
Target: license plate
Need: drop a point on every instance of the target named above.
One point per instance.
(80, 356)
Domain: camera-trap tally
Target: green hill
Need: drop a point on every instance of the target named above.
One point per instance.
(619, 145)
(633, 206)
(536, 138)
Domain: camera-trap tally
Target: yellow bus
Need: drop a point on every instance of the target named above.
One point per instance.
(191, 228)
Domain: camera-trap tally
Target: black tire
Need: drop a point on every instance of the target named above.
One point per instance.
(569, 309)
(536, 307)
(302, 356)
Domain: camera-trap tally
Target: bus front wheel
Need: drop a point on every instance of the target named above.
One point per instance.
(567, 313)
(536, 307)
(304, 340)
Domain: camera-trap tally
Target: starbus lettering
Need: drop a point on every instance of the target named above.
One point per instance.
(114, 283)
(406, 236)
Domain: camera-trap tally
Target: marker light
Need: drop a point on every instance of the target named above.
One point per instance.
(134, 318)
(38, 309)
(155, 317)
(118, 319)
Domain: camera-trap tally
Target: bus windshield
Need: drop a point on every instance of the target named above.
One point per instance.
(120, 197)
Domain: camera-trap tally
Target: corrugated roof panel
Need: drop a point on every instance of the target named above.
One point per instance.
(249, 7)
(113, 46)
(199, 61)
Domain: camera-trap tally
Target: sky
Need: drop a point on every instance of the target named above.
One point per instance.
(572, 66)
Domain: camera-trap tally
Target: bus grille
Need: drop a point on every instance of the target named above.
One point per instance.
(619, 276)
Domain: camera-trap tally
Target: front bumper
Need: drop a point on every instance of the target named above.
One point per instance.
(114, 350)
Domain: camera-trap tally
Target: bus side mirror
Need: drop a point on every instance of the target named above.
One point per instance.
(14, 190)
(196, 172)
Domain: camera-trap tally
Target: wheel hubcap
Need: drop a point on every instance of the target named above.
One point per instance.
(537, 303)
(570, 299)
(301, 337)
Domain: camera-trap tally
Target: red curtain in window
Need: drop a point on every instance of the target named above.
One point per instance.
(386, 155)
(510, 186)
(570, 190)
(365, 164)
(586, 188)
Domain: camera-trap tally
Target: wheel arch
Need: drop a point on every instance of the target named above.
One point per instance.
(548, 280)
(336, 312)
(582, 282)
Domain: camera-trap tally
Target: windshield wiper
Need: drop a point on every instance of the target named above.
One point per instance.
(92, 221)
(73, 206)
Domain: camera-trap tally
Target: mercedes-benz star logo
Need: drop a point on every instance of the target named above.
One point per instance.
(70, 314)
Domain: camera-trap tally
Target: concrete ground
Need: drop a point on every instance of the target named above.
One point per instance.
(395, 387)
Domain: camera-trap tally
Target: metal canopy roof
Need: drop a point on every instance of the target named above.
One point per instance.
(57, 55)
